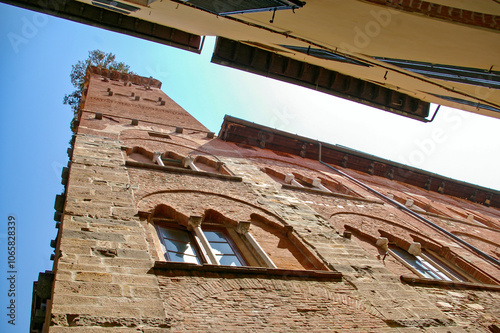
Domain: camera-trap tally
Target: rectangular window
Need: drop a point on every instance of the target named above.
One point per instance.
(427, 266)
(469, 103)
(231, 7)
(224, 251)
(179, 245)
(182, 245)
(115, 6)
(474, 76)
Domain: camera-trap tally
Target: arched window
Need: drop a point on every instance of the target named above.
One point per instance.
(169, 158)
(203, 163)
(217, 240)
(140, 154)
(403, 256)
(425, 264)
(211, 245)
(299, 180)
(205, 242)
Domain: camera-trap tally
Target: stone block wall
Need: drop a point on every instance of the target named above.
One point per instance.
(102, 259)
(111, 274)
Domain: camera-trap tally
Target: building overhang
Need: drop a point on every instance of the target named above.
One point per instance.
(441, 52)
(273, 65)
(114, 20)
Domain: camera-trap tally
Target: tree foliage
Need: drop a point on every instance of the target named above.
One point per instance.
(79, 70)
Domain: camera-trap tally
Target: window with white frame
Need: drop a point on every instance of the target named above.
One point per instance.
(426, 265)
(223, 247)
(178, 244)
(210, 244)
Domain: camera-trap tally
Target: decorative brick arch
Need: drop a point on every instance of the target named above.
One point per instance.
(374, 233)
(276, 238)
(404, 240)
(218, 217)
(212, 199)
(163, 210)
(205, 160)
(140, 154)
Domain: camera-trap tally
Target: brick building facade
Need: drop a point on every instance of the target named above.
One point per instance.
(165, 226)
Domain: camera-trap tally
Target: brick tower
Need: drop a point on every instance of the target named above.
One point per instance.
(166, 227)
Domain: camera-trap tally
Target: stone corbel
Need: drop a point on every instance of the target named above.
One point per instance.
(383, 243)
(157, 158)
(194, 224)
(303, 150)
(317, 183)
(189, 163)
(219, 165)
(290, 179)
(415, 249)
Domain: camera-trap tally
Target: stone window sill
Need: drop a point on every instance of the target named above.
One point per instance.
(207, 270)
(181, 170)
(414, 281)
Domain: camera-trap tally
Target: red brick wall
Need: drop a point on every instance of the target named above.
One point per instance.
(105, 271)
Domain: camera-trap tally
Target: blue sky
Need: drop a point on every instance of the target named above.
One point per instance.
(37, 52)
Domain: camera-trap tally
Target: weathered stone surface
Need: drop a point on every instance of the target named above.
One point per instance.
(93, 277)
(106, 279)
(85, 320)
(87, 289)
(103, 236)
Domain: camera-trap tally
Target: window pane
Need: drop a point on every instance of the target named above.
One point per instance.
(179, 257)
(221, 248)
(417, 265)
(175, 234)
(444, 268)
(421, 265)
(229, 260)
(224, 251)
(229, 7)
(403, 254)
(215, 236)
(179, 247)
(434, 271)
